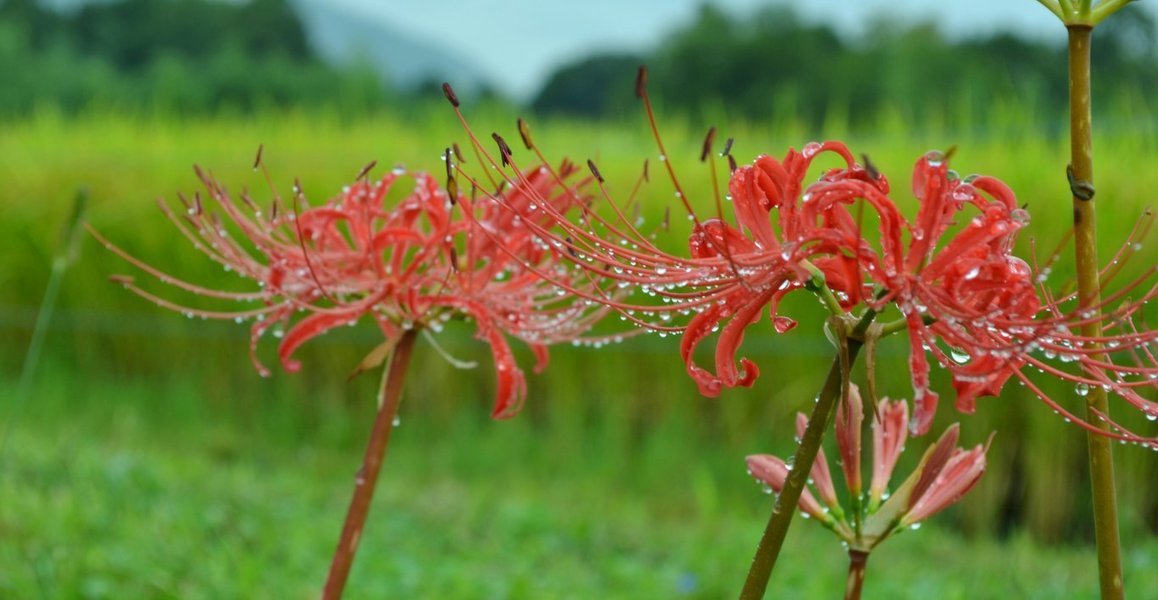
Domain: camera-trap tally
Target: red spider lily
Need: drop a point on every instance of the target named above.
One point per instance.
(415, 264)
(733, 272)
(966, 290)
(980, 311)
(942, 478)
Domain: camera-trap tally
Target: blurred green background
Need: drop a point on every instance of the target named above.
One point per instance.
(147, 459)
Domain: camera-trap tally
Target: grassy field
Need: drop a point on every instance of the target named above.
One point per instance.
(150, 461)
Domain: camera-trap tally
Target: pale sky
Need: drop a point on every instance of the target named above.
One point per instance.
(517, 43)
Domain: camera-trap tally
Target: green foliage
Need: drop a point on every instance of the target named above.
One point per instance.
(770, 63)
(115, 488)
(652, 418)
(644, 477)
(184, 56)
(600, 85)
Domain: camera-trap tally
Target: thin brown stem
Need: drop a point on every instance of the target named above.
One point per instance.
(389, 396)
(1085, 245)
(786, 501)
(857, 562)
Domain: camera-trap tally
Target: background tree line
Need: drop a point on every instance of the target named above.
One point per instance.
(182, 55)
(772, 60)
(204, 56)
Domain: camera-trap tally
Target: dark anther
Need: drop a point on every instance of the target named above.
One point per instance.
(1081, 189)
(728, 146)
(458, 153)
(950, 152)
(570, 247)
(666, 219)
(708, 139)
(449, 93)
(641, 81)
(274, 210)
(504, 149)
(366, 169)
(594, 170)
(646, 177)
(257, 161)
(525, 133)
(452, 190)
(453, 259)
(449, 164)
(732, 163)
(1025, 206)
(121, 279)
(870, 168)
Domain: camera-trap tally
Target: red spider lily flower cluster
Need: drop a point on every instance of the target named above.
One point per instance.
(943, 476)
(985, 314)
(982, 313)
(729, 278)
(415, 264)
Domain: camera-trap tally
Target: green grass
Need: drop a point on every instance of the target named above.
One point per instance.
(151, 461)
(119, 502)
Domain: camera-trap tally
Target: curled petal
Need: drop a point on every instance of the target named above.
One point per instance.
(510, 383)
(697, 329)
(924, 399)
(729, 344)
(306, 329)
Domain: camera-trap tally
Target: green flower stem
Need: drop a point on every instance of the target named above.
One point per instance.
(1085, 245)
(786, 501)
(857, 562)
(65, 255)
(819, 286)
(389, 396)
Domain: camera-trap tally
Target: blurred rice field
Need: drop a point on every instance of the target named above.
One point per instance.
(150, 460)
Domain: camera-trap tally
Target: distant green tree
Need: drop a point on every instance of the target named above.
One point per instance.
(183, 55)
(591, 87)
(772, 61)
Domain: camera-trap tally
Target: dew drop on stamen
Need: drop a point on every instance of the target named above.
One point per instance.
(959, 356)
(1082, 389)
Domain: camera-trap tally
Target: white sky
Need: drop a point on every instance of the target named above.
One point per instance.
(517, 43)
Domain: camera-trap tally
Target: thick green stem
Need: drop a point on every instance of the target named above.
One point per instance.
(389, 396)
(857, 562)
(1085, 245)
(789, 497)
